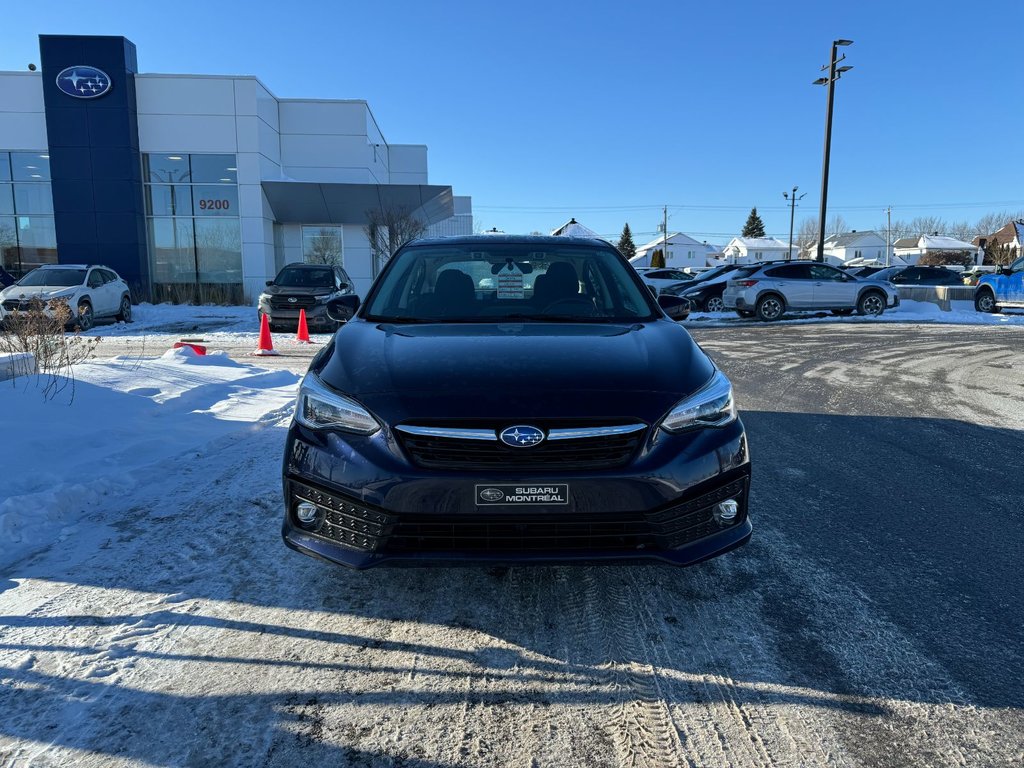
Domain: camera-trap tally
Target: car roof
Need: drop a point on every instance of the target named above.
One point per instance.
(549, 240)
(303, 265)
(65, 266)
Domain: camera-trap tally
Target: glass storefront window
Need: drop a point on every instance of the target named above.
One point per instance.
(214, 169)
(8, 244)
(166, 169)
(168, 200)
(172, 250)
(5, 166)
(322, 245)
(219, 251)
(30, 166)
(37, 238)
(212, 200)
(6, 199)
(32, 198)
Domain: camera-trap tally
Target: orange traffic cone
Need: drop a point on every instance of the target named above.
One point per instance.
(303, 334)
(266, 346)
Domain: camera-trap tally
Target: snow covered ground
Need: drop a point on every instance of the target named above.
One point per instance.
(105, 430)
(151, 616)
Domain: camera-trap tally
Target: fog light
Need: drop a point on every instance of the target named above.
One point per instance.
(306, 512)
(726, 512)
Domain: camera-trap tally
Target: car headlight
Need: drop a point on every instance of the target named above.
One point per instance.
(712, 406)
(67, 293)
(318, 407)
(264, 297)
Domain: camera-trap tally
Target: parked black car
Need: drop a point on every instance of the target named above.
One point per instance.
(705, 291)
(304, 286)
(919, 276)
(864, 271)
(557, 415)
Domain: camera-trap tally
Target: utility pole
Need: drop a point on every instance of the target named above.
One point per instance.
(888, 236)
(792, 214)
(664, 246)
(833, 75)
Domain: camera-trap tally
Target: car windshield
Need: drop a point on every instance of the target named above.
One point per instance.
(886, 274)
(519, 282)
(303, 277)
(58, 277)
(711, 274)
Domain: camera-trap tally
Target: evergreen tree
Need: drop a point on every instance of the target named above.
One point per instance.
(626, 245)
(754, 226)
(658, 259)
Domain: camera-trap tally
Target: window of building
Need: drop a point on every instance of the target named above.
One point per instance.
(322, 245)
(27, 234)
(195, 239)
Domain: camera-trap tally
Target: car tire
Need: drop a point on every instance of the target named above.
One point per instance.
(85, 317)
(714, 304)
(871, 303)
(985, 301)
(770, 307)
(124, 314)
(745, 313)
(842, 312)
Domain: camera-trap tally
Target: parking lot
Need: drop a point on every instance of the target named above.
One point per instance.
(874, 619)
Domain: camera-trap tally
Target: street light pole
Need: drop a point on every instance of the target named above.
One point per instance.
(792, 214)
(833, 75)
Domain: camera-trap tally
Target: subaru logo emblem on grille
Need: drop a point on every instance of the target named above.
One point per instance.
(521, 436)
(83, 82)
(491, 494)
(292, 300)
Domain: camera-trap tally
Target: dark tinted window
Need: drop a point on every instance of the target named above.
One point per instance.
(743, 272)
(58, 277)
(303, 277)
(788, 272)
(108, 276)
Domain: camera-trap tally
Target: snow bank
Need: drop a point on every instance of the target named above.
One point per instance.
(99, 434)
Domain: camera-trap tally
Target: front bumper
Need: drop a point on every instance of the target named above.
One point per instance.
(376, 508)
(316, 316)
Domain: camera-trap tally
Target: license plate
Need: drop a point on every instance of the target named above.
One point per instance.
(520, 495)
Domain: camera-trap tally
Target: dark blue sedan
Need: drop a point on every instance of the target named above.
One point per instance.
(513, 400)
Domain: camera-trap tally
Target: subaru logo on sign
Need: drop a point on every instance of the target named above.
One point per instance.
(521, 437)
(491, 494)
(83, 82)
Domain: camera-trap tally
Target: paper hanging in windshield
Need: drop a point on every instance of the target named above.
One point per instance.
(510, 282)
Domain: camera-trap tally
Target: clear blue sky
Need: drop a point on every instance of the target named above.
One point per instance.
(605, 111)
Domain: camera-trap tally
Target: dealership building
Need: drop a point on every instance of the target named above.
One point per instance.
(191, 184)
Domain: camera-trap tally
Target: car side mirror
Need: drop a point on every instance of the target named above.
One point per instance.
(675, 307)
(343, 308)
(270, 282)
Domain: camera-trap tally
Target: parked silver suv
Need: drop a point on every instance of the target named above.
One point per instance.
(770, 289)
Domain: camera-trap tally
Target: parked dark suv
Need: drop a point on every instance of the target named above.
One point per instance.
(304, 286)
(556, 413)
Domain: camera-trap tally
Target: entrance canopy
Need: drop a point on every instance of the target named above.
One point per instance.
(333, 203)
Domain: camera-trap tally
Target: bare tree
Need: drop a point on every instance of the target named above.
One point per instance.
(897, 230)
(961, 230)
(927, 225)
(324, 247)
(807, 234)
(835, 225)
(388, 229)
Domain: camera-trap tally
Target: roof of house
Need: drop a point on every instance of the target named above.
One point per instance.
(674, 238)
(845, 239)
(573, 228)
(752, 243)
(935, 243)
(906, 242)
(1005, 234)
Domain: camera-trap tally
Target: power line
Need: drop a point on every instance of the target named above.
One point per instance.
(694, 207)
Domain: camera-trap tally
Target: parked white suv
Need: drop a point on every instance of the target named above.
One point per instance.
(770, 289)
(90, 291)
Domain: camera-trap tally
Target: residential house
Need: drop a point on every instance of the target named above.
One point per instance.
(681, 251)
(573, 228)
(911, 249)
(866, 248)
(1009, 237)
(746, 250)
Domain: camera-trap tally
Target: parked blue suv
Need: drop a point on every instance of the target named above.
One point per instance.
(1002, 290)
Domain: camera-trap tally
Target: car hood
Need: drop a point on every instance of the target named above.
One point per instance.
(28, 291)
(516, 370)
(291, 290)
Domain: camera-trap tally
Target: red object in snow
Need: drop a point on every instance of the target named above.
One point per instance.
(303, 334)
(199, 349)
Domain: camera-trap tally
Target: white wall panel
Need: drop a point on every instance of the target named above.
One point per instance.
(323, 117)
(187, 133)
(325, 151)
(22, 130)
(22, 92)
(159, 95)
(247, 133)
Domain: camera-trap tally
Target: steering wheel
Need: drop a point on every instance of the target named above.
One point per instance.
(588, 303)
